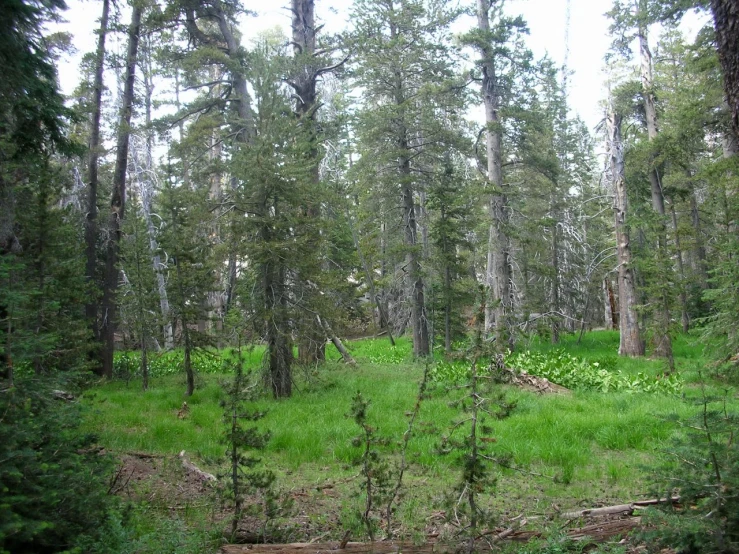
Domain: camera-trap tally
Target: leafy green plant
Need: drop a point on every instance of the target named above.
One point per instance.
(127, 364)
(569, 371)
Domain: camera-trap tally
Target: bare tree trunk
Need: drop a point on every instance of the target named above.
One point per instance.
(91, 227)
(144, 177)
(663, 342)
(279, 349)
(118, 201)
(382, 317)
(611, 313)
(556, 307)
(345, 355)
(684, 317)
(497, 274)
(189, 373)
(421, 345)
(631, 343)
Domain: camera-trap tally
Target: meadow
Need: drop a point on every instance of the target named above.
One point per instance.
(592, 446)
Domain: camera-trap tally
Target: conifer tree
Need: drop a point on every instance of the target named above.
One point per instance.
(404, 68)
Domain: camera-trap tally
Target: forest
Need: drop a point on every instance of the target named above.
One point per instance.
(374, 289)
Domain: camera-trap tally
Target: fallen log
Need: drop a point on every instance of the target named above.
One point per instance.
(383, 547)
(618, 509)
(192, 468)
(596, 532)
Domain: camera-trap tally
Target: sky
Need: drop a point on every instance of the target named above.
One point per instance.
(588, 38)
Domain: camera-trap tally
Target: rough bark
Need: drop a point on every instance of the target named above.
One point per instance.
(118, 201)
(279, 348)
(497, 273)
(610, 306)
(684, 317)
(726, 24)
(630, 341)
(91, 220)
(663, 342)
(414, 273)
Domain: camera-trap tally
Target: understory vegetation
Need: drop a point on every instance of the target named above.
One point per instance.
(550, 453)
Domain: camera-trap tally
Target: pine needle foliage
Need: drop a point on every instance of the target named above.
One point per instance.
(702, 467)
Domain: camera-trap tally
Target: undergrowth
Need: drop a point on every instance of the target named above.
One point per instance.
(570, 372)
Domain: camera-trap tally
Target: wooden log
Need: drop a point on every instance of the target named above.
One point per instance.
(382, 547)
(192, 468)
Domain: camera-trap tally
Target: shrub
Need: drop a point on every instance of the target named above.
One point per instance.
(53, 481)
(702, 466)
(569, 371)
(128, 364)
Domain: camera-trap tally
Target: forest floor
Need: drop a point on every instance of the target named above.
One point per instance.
(563, 452)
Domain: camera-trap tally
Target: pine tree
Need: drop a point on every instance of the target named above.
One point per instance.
(405, 70)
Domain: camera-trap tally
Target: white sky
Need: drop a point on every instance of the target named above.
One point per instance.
(588, 38)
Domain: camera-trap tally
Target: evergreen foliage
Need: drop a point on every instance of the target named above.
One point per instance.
(53, 480)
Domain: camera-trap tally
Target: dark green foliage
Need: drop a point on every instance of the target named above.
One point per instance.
(53, 481)
(480, 406)
(702, 467)
(245, 478)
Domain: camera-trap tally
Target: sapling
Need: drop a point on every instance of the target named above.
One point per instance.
(464, 502)
(241, 439)
(376, 474)
(703, 469)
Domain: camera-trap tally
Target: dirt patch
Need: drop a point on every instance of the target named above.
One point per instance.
(161, 480)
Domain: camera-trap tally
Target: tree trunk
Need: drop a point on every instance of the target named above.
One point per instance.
(383, 322)
(684, 317)
(91, 227)
(118, 201)
(630, 343)
(279, 349)
(413, 264)
(556, 307)
(663, 342)
(311, 347)
(611, 313)
(497, 274)
(345, 355)
(726, 23)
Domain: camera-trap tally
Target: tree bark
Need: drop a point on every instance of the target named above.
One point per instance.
(118, 201)
(726, 24)
(610, 305)
(497, 273)
(663, 342)
(91, 226)
(684, 317)
(414, 273)
(630, 342)
(345, 355)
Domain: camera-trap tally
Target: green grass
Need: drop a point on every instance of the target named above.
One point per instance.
(590, 446)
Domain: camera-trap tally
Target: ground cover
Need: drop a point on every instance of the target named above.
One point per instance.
(582, 449)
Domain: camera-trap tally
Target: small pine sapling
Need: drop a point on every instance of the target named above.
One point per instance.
(377, 482)
(464, 504)
(241, 439)
(403, 463)
(703, 468)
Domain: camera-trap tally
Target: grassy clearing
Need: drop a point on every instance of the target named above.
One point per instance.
(590, 446)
